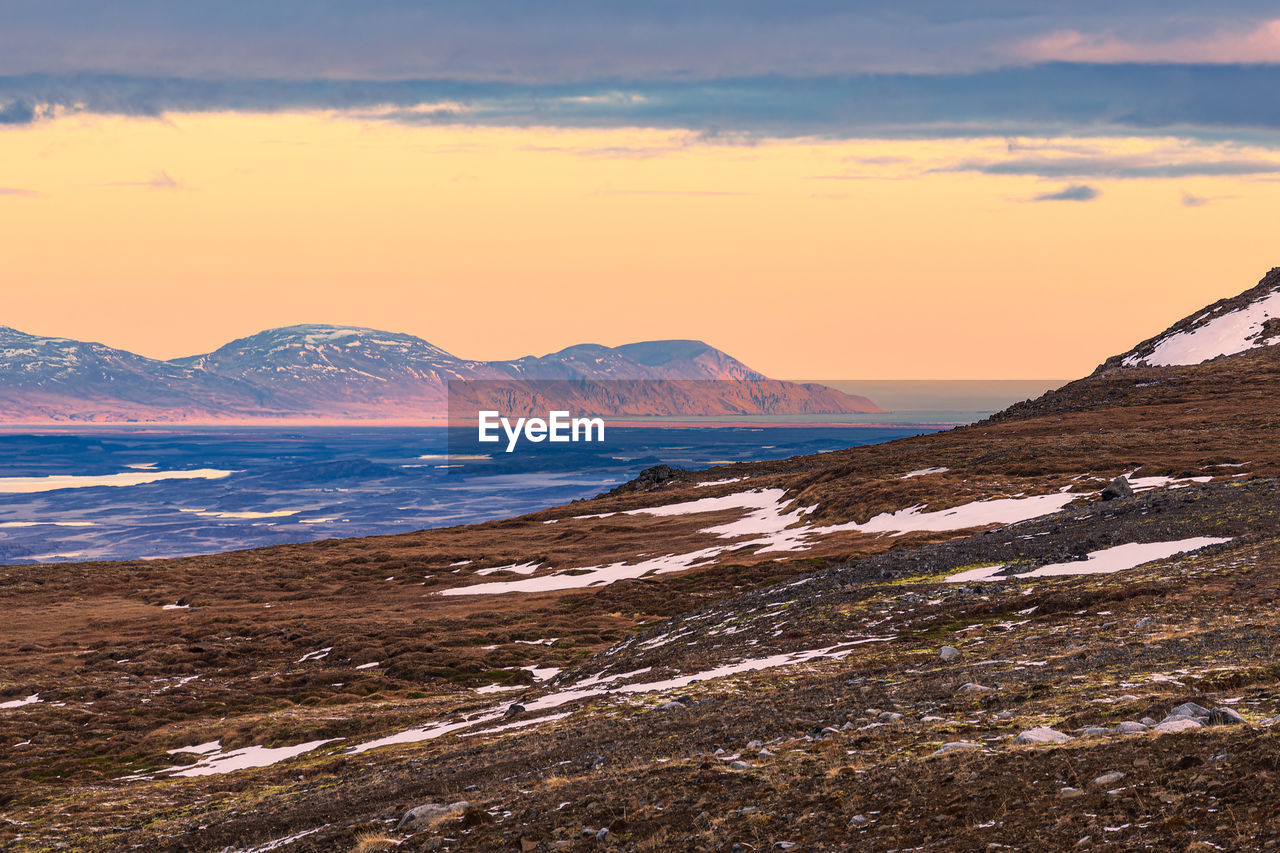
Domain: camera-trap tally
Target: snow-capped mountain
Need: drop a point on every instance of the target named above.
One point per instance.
(320, 372)
(1227, 327)
(60, 379)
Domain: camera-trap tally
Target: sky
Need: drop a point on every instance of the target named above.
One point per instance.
(821, 189)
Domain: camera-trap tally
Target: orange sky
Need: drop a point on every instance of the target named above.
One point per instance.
(170, 237)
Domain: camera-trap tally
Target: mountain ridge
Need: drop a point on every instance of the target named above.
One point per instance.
(320, 372)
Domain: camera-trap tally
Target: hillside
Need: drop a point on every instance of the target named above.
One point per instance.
(343, 374)
(971, 640)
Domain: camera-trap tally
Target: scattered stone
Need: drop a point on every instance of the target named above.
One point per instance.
(890, 717)
(671, 706)
(1225, 717)
(755, 744)
(1144, 622)
(1041, 734)
(1117, 488)
(1107, 779)
(1069, 793)
(1148, 722)
(785, 845)
(1131, 728)
(859, 820)
(429, 813)
(740, 765)
(1094, 731)
(949, 654)
(602, 834)
(767, 753)
(956, 746)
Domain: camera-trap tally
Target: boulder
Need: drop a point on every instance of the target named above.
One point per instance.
(949, 654)
(1041, 734)
(429, 813)
(1106, 780)
(1130, 728)
(972, 689)
(956, 746)
(1117, 488)
(1189, 709)
(1225, 717)
(1177, 724)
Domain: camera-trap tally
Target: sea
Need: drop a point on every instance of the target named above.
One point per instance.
(145, 492)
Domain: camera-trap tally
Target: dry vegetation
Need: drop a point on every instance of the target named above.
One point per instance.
(114, 670)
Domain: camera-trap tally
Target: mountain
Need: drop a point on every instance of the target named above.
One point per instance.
(57, 379)
(321, 372)
(1229, 326)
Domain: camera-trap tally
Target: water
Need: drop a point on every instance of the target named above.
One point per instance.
(91, 494)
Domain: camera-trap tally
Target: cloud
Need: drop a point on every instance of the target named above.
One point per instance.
(1047, 100)
(14, 191)
(575, 40)
(1189, 200)
(1152, 165)
(159, 181)
(1075, 192)
(17, 112)
(1232, 44)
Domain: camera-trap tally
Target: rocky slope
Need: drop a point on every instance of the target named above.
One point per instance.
(969, 640)
(334, 373)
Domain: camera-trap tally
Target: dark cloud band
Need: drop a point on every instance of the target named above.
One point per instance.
(1060, 98)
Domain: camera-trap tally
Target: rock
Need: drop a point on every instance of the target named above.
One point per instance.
(740, 765)
(1107, 779)
(767, 753)
(785, 845)
(1177, 724)
(1148, 722)
(890, 717)
(1117, 488)
(514, 709)
(1225, 717)
(1144, 622)
(949, 654)
(671, 706)
(648, 479)
(756, 744)
(972, 689)
(956, 746)
(859, 820)
(1131, 728)
(429, 813)
(1041, 734)
(1189, 709)
(1094, 731)
(602, 834)
(1070, 793)
(470, 788)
